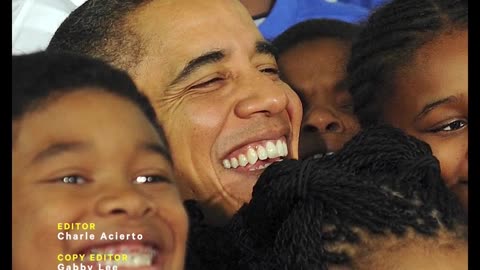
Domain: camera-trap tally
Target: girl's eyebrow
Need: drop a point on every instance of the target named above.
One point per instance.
(430, 106)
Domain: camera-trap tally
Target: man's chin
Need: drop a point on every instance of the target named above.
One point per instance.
(215, 214)
(236, 190)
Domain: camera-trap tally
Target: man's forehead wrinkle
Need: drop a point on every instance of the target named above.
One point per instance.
(165, 25)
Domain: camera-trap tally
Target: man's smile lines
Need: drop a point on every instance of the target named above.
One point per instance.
(268, 150)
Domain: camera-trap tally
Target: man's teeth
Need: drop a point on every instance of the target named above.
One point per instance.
(261, 167)
(262, 152)
(234, 162)
(270, 150)
(242, 160)
(252, 156)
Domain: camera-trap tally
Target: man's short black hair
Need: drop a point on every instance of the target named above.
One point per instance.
(101, 28)
(39, 77)
(315, 29)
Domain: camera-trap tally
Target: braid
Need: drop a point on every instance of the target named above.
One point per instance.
(389, 40)
(383, 181)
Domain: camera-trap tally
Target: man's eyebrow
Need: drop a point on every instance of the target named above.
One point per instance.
(430, 106)
(196, 63)
(265, 47)
(157, 149)
(58, 149)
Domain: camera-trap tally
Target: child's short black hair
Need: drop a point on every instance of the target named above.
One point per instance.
(41, 76)
(315, 29)
(389, 40)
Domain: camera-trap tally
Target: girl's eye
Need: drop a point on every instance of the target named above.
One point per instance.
(151, 179)
(452, 126)
(73, 179)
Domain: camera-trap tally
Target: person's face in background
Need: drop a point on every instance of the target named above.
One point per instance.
(316, 70)
(225, 112)
(92, 157)
(430, 102)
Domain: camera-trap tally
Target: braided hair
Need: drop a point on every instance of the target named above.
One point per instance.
(383, 182)
(389, 41)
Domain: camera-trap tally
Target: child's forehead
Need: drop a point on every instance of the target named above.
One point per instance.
(81, 114)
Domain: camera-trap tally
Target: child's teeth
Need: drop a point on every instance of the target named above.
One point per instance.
(133, 260)
(135, 257)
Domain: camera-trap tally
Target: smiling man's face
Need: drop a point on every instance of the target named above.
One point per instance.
(213, 81)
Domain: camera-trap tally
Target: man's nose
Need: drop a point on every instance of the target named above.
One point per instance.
(261, 95)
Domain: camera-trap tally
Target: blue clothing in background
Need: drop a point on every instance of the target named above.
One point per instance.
(286, 13)
(370, 4)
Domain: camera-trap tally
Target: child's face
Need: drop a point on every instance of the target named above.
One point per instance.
(316, 70)
(430, 102)
(82, 159)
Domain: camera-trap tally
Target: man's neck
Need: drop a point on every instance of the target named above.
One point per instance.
(257, 8)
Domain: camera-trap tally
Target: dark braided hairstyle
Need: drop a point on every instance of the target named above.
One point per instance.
(388, 41)
(382, 182)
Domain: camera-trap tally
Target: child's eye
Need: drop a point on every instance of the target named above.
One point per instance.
(73, 179)
(452, 126)
(151, 179)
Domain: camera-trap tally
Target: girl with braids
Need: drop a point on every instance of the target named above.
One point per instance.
(378, 204)
(409, 68)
